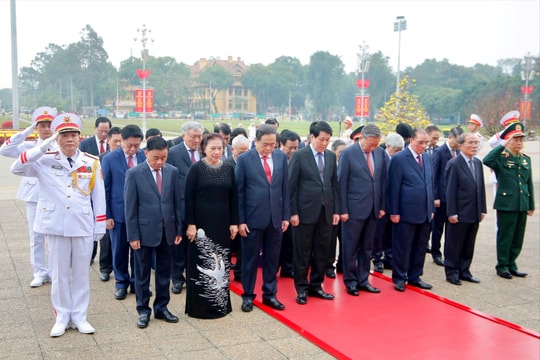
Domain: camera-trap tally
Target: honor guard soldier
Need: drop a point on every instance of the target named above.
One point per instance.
(71, 211)
(28, 189)
(474, 124)
(514, 199)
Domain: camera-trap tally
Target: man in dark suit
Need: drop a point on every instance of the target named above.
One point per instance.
(114, 165)
(264, 213)
(240, 145)
(289, 141)
(465, 208)
(411, 209)
(153, 224)
(314, 209)
(225, 131)
(97, 144)
(514, 200)
(362, 182)
(182, 156)
(114, 140)
(382, 246)
(439, 159)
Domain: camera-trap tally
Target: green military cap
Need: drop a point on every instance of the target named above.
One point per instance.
(513, 130)
(356, 133)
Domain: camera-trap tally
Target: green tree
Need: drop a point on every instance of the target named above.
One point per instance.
(402, 107)
(257, 78)
(323, 80)
(215, 78)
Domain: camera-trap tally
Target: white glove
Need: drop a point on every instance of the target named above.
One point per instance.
(46, 144)
(98, 237)
(30, 129)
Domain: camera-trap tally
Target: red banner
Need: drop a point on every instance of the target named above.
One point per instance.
(527, 90)
(139, 100)
(525, 109)
(362, 110)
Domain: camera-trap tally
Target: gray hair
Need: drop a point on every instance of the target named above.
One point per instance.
(264, 129)
(192, 125)
(371, 130)
(240, 139)
(394, 140)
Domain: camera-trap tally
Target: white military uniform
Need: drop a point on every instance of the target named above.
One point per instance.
(28, 192)
(72, 213)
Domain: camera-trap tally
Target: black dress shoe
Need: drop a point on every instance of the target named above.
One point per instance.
(247, 305)
(422, 285)
(470, 279)
(273, 303)
(399, 286)
(518, 273)
(105, 276)
(301, 299)
(120, 294)
(378, 268)
(167, 316)
(351, 290)
(288, 275)
(387, 266)
(330, 274)
(143, 321)
(320, 293)
(428, 250)
(438, 261)
(177, 287)
(369, 288)
(504, 274)
(454, 281)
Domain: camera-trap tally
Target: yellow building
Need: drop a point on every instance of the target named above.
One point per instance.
(235, 100)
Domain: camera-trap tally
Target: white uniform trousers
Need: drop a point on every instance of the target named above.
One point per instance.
(69, 259)
(37, 244)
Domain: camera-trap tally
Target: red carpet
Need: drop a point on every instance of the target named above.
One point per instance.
(415, 324)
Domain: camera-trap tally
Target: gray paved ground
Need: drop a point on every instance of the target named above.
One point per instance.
(26, 317)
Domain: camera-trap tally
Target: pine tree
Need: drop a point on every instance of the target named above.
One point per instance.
(402, 107)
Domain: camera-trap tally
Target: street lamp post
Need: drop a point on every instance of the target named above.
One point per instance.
(363, 67)
(399, 25)
(527, 74)
(144, 34)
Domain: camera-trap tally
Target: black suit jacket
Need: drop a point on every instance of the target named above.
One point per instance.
(89, 145)
(465, 194)
(308, 191)
(149, 214)
(180, 158)
(441, 156)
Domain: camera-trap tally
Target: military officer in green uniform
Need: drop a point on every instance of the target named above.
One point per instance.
(514, 199)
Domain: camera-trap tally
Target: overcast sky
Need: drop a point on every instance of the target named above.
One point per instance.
(465, 32)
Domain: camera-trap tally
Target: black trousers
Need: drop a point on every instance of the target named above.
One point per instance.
(311, 246)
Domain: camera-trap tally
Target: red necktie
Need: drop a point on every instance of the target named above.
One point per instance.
(158, 180)
(369, 164)
(267, 170)
(130, 161)
(193, 160)
(101, 147)
(419, 157)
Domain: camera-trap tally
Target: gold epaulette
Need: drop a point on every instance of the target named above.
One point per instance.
(527, 155)
(51, 152)
(91, 156)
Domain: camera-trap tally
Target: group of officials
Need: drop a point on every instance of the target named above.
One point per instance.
(108, 189)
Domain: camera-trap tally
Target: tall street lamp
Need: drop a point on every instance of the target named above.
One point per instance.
(527, 74)
(399, 25)
(144, 34)
(363, 67)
